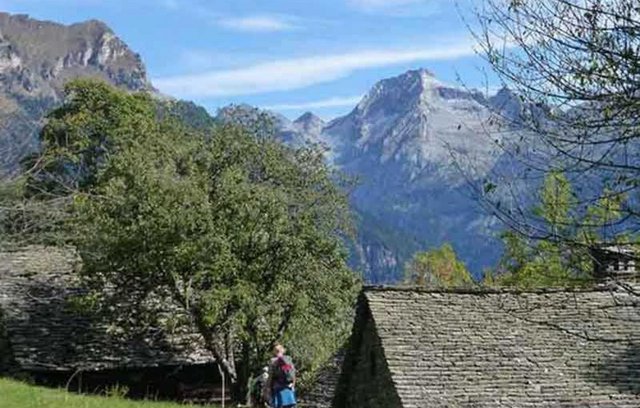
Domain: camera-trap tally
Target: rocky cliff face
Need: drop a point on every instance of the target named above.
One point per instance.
(37, 58)
(414, 143)
(420, 125)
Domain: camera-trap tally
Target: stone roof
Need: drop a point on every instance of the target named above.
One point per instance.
(510, 349)
(320, 394)
(45, 332)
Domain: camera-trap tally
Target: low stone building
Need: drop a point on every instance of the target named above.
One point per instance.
(43, 336)
(323, 387)
(615, 262)
(416, 348)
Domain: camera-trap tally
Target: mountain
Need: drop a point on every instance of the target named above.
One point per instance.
(419, 126)
(38, 57)
(415, 143)
(307, 129)
(412, 144)
(310, 124)
(405, 143)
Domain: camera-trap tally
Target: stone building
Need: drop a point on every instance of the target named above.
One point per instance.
(615, 262)
(323, 387)
(43, 336)
(416, 348)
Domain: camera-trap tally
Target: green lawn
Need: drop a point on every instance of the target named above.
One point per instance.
(15, 394)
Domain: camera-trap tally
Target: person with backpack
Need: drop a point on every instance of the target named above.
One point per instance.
(282, 379)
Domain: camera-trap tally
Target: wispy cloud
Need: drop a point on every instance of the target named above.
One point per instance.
(198, 60)
(378, 4)
(258, 23)
(337, 102)
(5, 4)
(297, 73)
(253, 23)
(170, 4)
(401, 8)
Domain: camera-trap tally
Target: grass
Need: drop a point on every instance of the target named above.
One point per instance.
(15, 394)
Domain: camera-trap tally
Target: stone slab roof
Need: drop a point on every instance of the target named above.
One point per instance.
(324, 385)
(46, 333)
(510, 349)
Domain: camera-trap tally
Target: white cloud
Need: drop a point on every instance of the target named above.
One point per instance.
(257, 23)
(170, 4)
(297, 73)
(400, 8)
(337, 102)
(197, 60)
(379, 4)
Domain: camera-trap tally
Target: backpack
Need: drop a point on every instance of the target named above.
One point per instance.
(285, 372)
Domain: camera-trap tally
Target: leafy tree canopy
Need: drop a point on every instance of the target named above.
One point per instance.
(563, 257)
(241, 234)
(438, 268)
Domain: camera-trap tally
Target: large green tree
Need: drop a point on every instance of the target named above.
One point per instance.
(241, 235)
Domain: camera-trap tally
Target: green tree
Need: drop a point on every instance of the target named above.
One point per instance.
(539, 264)
(241, 235)
(601, 218)
(437, 268)
(36, 203)
(557, 201)
(551, 260)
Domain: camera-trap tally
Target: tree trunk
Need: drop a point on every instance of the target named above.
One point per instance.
(217, 350)
(245, 370)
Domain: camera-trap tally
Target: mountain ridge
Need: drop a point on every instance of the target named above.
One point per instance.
(414, 143)
(405, 141)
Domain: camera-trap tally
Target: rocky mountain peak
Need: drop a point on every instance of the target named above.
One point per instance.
(397, 92)
(308, 117)
(417, 122)
(407, 142)
(507, 103)
(38, 57)
(418, 89)
(310, 124)
(422, 75)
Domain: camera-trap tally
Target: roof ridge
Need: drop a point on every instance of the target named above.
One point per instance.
(604, 287)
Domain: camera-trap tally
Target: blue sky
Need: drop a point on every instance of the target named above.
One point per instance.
(287, 55)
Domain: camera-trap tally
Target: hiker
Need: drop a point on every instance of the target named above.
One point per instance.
(257, 391)
(282, 380)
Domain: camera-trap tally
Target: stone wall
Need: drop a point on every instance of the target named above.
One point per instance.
(323, 389)
(199, 384)
(366, 380)
(6, 355)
